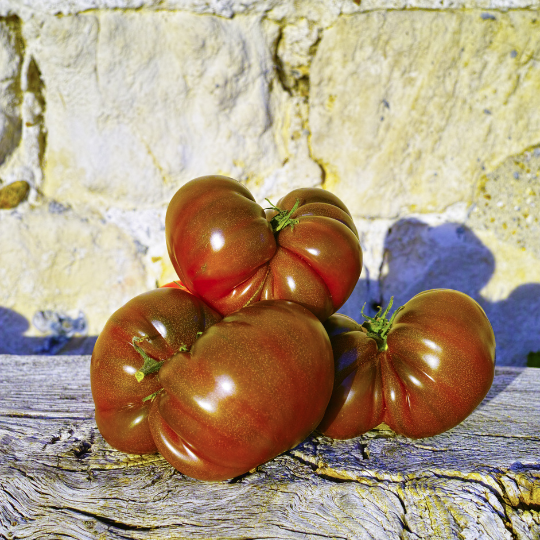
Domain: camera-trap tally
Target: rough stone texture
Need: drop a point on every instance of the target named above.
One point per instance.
(407, 109)
(13, 194)
(138, 104)
(508, 203)
(52, 258)
(111, 105)
(324, 11)
(10, 64)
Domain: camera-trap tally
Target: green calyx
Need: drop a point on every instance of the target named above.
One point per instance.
(283, 217)
(150, 365)
(378, 327)
(151, 397)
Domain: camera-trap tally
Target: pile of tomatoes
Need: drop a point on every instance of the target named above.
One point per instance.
(245, 355)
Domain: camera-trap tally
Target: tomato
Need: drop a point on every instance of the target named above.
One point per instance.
(422, 372)
(161, 321)
(252, 386)
(231, 253)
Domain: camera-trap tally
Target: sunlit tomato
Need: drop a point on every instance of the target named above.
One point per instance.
(252, 386)
(229, 252)
(422, 372)
(162, 321)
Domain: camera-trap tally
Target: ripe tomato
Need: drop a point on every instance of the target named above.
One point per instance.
(161, 321)
(422, 372)
(252, 386)
(229, 252)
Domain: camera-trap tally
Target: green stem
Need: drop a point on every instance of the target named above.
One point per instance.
(379, 326)
(283, 217)
(152, 396)
(150, 365)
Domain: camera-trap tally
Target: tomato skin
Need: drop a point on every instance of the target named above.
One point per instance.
(253, 386)
(438, 367)
(168, 318)
(223, 248)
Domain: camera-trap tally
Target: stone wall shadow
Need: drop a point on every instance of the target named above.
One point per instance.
(13, 341)
(418, 257)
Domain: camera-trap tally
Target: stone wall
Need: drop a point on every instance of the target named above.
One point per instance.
(423, 116)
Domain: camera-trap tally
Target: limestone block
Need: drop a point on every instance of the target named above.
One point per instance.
(369, 5)
(323, 10)
(147, 229)
(10, 117)
(53, 259)
(506, 217)
(504, 279)
(489, 250)
(326, 11)
(409, 108)
(508, 203)
(140, 102)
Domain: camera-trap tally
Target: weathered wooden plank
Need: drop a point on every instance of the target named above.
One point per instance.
(59, 479)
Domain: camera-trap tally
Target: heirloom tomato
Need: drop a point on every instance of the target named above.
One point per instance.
(421, 372)
(231, 253)
(158, 323)
(252, 386)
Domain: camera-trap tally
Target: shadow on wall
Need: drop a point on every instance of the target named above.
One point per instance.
(418, 257)
(13, 341)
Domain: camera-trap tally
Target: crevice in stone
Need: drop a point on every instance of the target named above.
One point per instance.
(27, 166)
(36, 86)
(306, 91)
(12, 112)
(278, 63)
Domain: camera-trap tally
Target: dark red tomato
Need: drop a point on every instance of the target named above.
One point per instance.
(229, 252)
(421, 372)
(162, 321)
(252, 386)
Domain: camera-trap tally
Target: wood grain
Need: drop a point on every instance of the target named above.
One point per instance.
(60, 479)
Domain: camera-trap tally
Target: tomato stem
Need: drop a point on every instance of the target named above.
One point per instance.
(283, 217)
(152, 396)
(379, 326)
(150, 365)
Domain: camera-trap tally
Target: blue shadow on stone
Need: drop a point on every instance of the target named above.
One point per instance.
(13, 341)
(418, 257)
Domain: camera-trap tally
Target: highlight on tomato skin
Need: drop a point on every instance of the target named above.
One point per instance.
(252, 386)
(421, 371)
(159, 322)
(229, 251)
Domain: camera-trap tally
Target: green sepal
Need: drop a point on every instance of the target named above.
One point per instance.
(378, 327)
(283, 217)
(152, 396)
(150, 365)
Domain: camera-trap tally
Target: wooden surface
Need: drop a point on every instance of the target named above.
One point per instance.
(59, 479)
